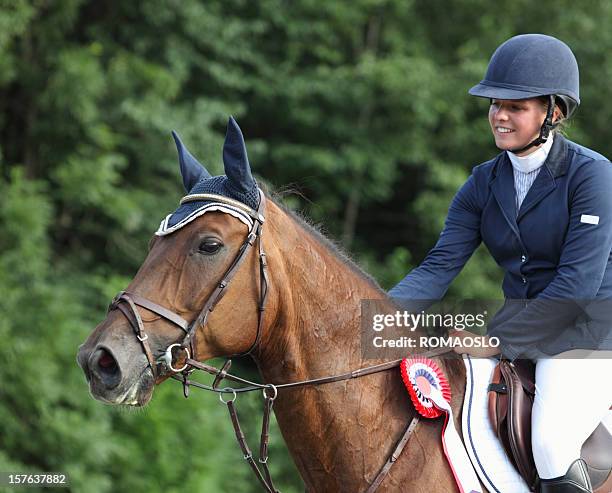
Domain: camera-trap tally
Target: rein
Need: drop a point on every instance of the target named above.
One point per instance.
(265, 478)
(127, 303)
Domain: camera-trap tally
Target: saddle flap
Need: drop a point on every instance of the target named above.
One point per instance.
(498, 401)
(511, 395)
(519, 378)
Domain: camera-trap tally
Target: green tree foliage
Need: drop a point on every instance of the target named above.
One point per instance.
(360, 107)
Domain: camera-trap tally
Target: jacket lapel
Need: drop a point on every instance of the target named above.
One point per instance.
(554, 166)
(502, 187)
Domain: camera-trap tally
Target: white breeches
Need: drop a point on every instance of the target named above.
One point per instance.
(572, 398)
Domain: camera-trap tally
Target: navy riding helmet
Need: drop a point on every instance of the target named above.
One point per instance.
(533, 65)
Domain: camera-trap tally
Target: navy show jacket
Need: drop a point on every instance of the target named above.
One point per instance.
(555, 251)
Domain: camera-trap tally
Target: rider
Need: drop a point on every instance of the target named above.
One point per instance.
(543, 207)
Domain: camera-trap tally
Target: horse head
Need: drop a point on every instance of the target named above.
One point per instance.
(169, 311)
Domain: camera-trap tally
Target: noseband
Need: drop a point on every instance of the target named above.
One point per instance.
(127, 302)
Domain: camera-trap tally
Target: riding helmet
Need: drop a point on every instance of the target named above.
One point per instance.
(532, 65)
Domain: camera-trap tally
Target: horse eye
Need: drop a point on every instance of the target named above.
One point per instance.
(210, 246)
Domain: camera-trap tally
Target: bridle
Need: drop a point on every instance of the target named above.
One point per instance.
(127, 303)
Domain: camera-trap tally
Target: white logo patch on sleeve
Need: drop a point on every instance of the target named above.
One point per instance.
(588, 219)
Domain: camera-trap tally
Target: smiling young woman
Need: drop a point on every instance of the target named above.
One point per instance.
(543, 208)
(517, 122)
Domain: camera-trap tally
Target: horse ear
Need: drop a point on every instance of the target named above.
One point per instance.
(235, 159)
(191, 170)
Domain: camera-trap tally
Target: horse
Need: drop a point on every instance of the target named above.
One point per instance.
(339, 434)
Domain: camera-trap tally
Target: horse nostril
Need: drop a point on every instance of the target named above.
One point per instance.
(105, 367)
(107, 362)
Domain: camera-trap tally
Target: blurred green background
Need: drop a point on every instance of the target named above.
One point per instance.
(359, 108)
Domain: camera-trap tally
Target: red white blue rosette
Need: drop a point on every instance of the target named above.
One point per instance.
(420, 375)
(431, 395)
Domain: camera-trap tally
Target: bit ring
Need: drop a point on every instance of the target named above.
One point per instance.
(168, 358)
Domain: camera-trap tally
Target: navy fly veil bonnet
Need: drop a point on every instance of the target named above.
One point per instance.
(237, 184)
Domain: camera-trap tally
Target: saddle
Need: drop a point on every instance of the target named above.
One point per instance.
(511, 395)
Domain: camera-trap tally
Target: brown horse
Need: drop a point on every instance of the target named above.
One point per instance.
(339, 434)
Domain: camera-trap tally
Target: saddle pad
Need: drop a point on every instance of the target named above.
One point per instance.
(486, 453)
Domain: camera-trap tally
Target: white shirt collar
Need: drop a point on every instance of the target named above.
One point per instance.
(531, 162)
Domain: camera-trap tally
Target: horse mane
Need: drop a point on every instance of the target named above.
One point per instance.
(315, 230)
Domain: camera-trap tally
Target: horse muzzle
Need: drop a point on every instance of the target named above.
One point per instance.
(112, 382)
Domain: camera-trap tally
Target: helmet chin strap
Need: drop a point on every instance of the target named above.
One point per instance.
(545, 129)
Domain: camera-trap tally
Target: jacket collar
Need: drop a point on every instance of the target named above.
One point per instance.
(556, 161)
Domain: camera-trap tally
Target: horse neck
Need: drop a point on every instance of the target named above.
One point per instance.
(316, 326)
(337, 433)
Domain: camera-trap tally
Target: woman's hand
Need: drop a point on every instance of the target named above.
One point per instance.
(479, 346)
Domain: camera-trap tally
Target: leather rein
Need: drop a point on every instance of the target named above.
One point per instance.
(128, 302)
